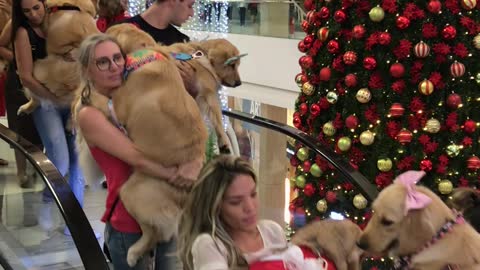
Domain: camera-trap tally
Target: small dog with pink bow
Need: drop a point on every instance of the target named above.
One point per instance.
(415, 226)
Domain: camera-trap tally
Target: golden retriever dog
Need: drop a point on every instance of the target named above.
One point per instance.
(165, 124)
(5, 13)
(337, 239)
(413, 224)
(215, 63)
(467, 201)
(67, 24)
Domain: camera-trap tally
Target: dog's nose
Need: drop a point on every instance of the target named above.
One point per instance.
(362, 244)
(237, 83)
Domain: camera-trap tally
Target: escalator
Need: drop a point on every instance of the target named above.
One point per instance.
(31, 230)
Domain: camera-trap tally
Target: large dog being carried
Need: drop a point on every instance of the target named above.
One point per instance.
(164, 122)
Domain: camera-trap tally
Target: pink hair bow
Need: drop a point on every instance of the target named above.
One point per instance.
(414, 199)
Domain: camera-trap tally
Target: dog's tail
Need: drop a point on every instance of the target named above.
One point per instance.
(91, 172)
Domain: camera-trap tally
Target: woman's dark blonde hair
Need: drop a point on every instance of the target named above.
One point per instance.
(110, 8)
(86, 54)
(201, 213)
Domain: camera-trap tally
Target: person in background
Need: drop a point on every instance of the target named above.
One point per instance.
(111, 12)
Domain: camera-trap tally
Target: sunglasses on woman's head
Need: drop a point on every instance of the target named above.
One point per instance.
(105, 63)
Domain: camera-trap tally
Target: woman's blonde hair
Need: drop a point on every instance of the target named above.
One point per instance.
(86, 53)
(201, 213)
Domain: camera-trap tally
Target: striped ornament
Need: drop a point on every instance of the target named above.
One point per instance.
(421, 50)
(457, 69)
(476, 41)
(426, 87)
(322, 33)
(468, 4)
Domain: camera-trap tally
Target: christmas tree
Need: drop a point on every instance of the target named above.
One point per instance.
(391, 86)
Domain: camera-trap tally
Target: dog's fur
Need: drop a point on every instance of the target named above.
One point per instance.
(335, 238)
(467, 201)
(391, 232)
(165, 124)
(5, 13)
(65, 31)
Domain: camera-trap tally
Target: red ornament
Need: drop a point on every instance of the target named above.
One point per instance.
(322, 33)
(333, 47)
(303, 108)
(468, 4)
(307, 165)
(397, 70)
(300, 79)
(397, 110)
(402, 22)
(384, 38)
(306, 61)
(297, 122)
(311, 16)
(421, 50)
(308, 40)
(473, 163)
(302, 47)
(449, 32)
(315, 109)
(369, 63)
(294, 161)
(469, 126)
(351, 122)
(350, 58)
(404, 136)
(457, 69)
(331, 197)
(426, 165)
(306, 26)
(339, 16)
(324, 13)
(309, 4)
(351, 80)
(358, 31)
(454, 100)
(325, 74)
(308, 190)
(434, 6)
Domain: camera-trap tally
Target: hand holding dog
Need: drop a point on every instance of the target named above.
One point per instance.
(188, 76)
(4, 5)
(187, 174)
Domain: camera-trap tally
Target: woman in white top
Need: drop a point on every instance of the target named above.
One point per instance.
(219, 229)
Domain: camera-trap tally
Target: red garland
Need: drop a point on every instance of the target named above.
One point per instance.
(452, 5)
(371, 114)
(390, 6)
(441, 48)
(402, 51)
(406, 163)
(469, 24)
(429, 30)
(384, 179)
(392, 129)
(460, 50)
(467, 141)
(376, 81)
(424, 139)
(431, 147)
(436, 79)
(398, 86)
(416, 105)
(413, 12)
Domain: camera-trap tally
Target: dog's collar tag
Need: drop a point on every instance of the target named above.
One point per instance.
(186, 56)
(139, 58)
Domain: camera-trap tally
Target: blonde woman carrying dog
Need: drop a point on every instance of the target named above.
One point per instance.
(102, 65)
(219, 229)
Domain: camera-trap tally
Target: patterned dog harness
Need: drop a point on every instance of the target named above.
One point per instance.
(139, 58)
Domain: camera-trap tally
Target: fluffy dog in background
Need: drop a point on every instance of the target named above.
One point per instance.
(467, 201)
(407, 223)
(335, 238)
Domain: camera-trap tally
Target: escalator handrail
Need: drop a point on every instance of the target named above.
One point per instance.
(88, 248)
(351, 175)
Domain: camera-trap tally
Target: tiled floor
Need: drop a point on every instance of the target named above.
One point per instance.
(31, 232)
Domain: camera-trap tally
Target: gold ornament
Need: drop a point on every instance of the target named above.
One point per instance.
(300, 181)
(426, 87)
(432, 126)
(322, 206)
(476, 41)
(302, 153)
(315, 170)
(376, 14)
(344, 143)
(332, 97)
(367, 137)
(363, 95)
(445, 187)
(308, 88)
(477, 78)
(384, 165)
(453, 150)
(329, 129)
(359, 201)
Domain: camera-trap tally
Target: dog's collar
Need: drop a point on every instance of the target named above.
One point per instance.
(404, 262)
(186, 56)
(57, 8)
(139, 58)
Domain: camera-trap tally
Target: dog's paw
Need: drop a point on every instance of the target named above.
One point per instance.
(132, 258)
